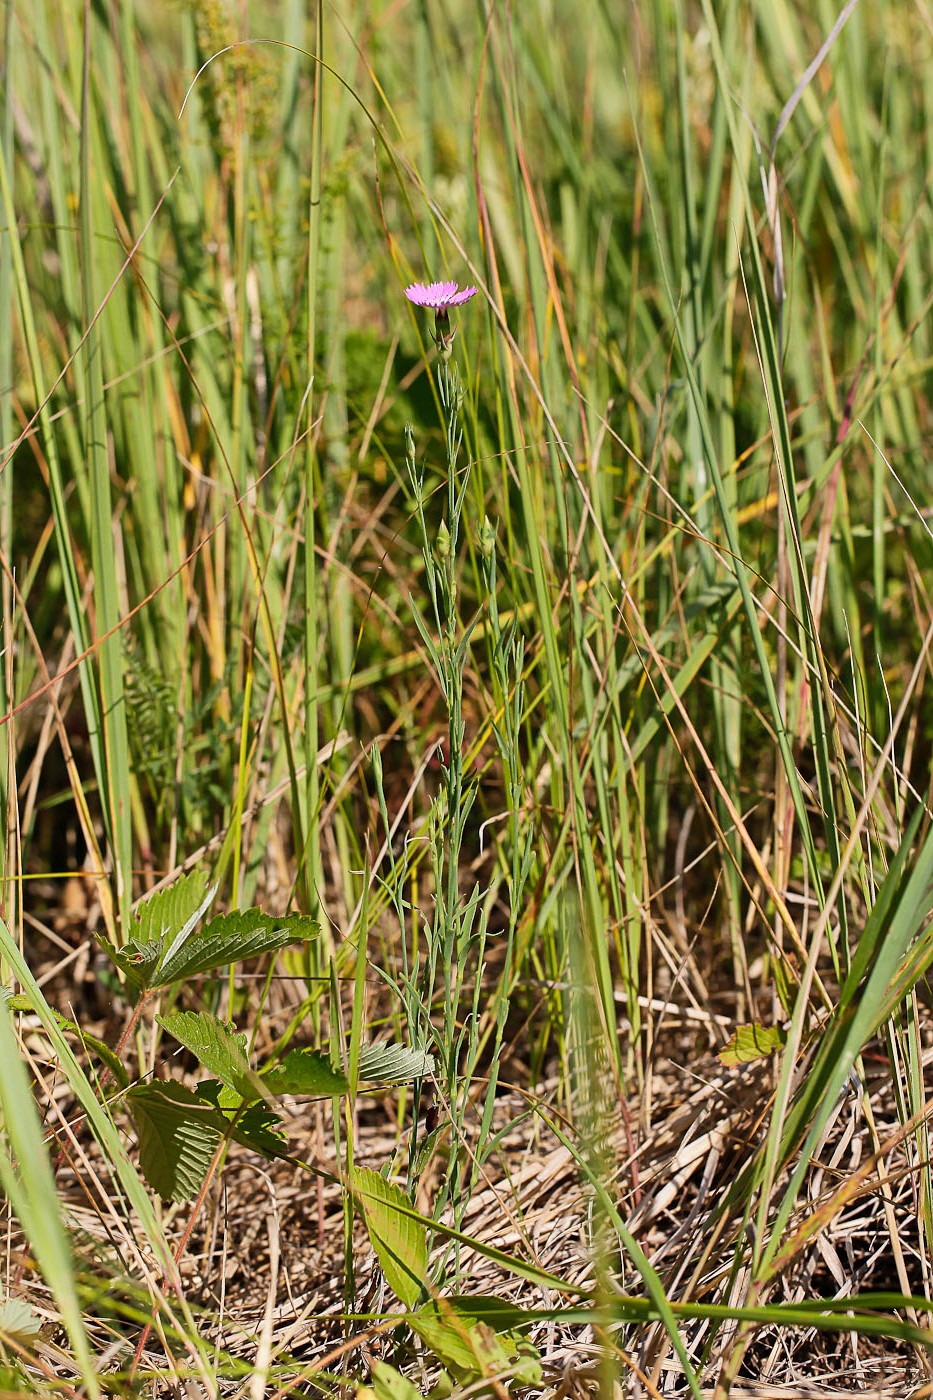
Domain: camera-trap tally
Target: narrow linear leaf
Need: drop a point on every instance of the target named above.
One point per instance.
(858, 1016)
(650, 1277)
(101, 1049)
(101, 1124)
(27, 1181)
(862, 1007)
(401, 1244)
(875, 931)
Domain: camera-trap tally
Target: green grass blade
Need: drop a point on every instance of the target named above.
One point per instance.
(28, 1183)
(115, 773)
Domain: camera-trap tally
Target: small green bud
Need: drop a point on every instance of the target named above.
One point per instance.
(443, 334)
(442, 543)
(487, 538)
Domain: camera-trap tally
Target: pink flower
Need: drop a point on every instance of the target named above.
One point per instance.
(438, 296)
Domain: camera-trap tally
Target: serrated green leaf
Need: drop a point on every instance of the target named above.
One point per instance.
(306, 1073)
(175, 949)
(164, 916)
(178, 1136)
(401, 1243)
(219, 1049)
(256, 1126)
(231, 938)
(227, 1100)
(162, 925)
(393, 1064)
(310, 1074)
(752, 1042)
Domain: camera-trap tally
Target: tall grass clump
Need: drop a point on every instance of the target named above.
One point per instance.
(467, 858)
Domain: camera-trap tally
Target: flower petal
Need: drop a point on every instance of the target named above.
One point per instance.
(437, 296)
(460, 297)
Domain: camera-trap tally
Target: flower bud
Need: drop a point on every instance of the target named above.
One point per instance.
(487, 538)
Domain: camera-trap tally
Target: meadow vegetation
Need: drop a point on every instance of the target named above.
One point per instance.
(467, 854)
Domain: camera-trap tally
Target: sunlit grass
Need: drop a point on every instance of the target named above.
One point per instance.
(606, 723)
